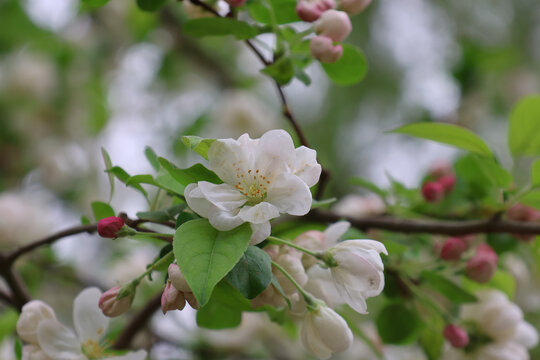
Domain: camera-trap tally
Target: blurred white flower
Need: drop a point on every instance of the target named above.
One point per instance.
(358, 206)
(262, 178)
(30, 75)
(32, 314)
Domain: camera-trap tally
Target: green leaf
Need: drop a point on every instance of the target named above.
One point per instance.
(282, 71)
(94, 3)
(108, 165)
(284, 11)
(167, 182)
(431, 337)
(321, 203)
(397, 324)
(369, 186)
(124, 177)
(193, 174)
(481, 171)
(447, 134)
(102, 210)
(18, 349)
(535, 173)
(150, 5)
(198, 144)
(252, 274)
(447, 288)
(185, 217)
(140, 179)
(531, 198)
(524, 127)
(214, 26)
(205, 255)
(85, 220)
(152, 157)
(502, 280)
(224, 309)
(8, 319)
(350, 69)
(157, 216)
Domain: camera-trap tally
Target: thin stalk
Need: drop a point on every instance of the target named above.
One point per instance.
(307, 296)
(297, 247)
(165, 259)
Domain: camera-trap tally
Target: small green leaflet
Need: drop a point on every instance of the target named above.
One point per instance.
(524, 127)
(535, 173)
(198, 144)
(215, 26)
(252, 274)
(450, 290)
(102, 210)
(350, 69)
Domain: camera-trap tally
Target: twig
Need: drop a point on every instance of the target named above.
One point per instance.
(5, 297)
(464, 227)
(19, 292)
(137, 323)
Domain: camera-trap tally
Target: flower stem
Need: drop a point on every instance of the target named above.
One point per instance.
(310, 300)
(297, 247)
(165, 259)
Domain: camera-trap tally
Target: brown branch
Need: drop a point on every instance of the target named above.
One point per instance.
(19, 292)
(489, 226)
(5, 297)
(137, 323)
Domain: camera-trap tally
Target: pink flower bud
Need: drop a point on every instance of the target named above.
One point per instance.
(236, 3)
(453, 248)
(456, 335)
(111, 306)
(447, 182)
(432, 191)
(483, 264)
(177, 279)
(334, 24)
(520, 212)
(172, 299)
(440, 169)
(324, 50)
(109, 226)
(353, 6)
(192, 301)
(311, 10)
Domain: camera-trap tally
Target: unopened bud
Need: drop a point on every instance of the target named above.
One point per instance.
(32, 314)
(177, 279)
(453, 248)
(432, 191)
(482, 266)
(192, 301)
(440, 169)
(520, 212)
(110, 226)
(115, 301)
(311, 10)
(334, 24)
(323, 49)
(353, 6)
(448, 182)
(456, 335)
(172, 299)
(236, 3)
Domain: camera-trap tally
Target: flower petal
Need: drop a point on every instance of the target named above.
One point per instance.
(89, 321)
(260, 232)
(306, 166)
(196, 200)
(259, 213)
(364, 244)
(228, 157)
(224, 220)
(290, 194)
(312, 341)
(138, 355)
(526, 335)
(335, 231)
(223, 196)
(58, 341)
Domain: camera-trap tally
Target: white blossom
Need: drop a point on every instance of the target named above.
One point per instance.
(32, 314)
(262, 178)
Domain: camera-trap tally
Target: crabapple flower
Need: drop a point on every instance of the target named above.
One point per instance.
(262, 178)
(482, 266)
(110, 226)
(432, 191)
(353, 7)
(311, 10)
(453, 248)
(172, 299)
(447, 182)
(32, 314)
(334, 24)
(33, 352)
(112, 306)
(456, 335)
(179, 283)
(58, 342)
(323, 49)
(324, 332)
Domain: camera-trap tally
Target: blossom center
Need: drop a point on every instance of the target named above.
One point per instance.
(253, 185)
(92, 350)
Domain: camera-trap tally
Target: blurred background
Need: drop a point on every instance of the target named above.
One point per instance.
(73, 81)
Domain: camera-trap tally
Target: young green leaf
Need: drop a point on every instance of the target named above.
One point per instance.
(205, 255)
(397, 324)
(215, 26)
(431, 337)
(282, 71)
(502, 280)
(150, 5)
(535, 173)
(94, 3)
(284, 11)
(524, 127)
(102, 210)
(198, 144)
(369, 186)
(350, 69)
(447, 288)
(252, 274)
(157, 216)
(193, 174)
(531, 198)
(152, 157)
(124, 177)
(447, 134)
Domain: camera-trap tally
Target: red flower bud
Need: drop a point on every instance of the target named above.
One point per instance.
(109, 227)
(440, 169)
(311, 10)
(520, 212)
(432, 191)
(456, 335)
(447, 182)
(483, 264)
(111, 306)
(453, 248)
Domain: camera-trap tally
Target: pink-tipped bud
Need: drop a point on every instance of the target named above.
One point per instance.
(456, 335)
(172, 299)
(192, 301)
(482, 266)
(177, 279)
(334, 24)
(236, 3)
(110, 226)
(432, 191)
(520, 212)
(353, 7)
(323, 49)
(453, 248)
(448, 182)
(311, 10)
(111, 306)
(440, 169)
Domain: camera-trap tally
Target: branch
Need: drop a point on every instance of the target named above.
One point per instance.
(19, 292)
(5, 297)
(137, 323)
(465, 227)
